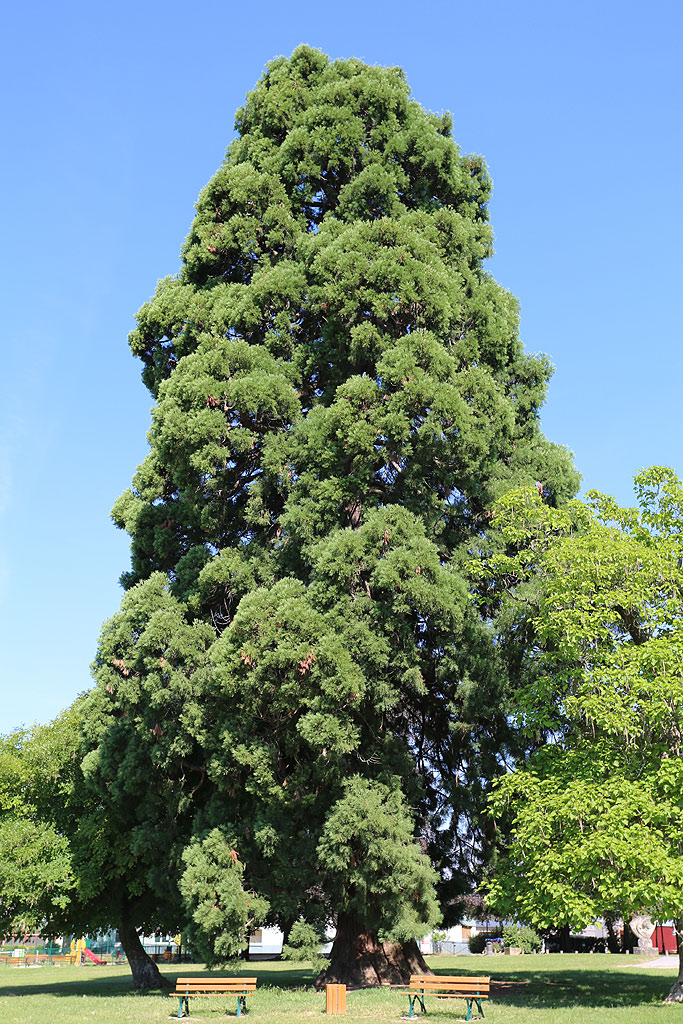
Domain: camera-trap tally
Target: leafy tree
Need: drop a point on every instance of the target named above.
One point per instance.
(340, 394)
(524, 938)
(36, 877)
(597, 812)
(110, 782)
(77, 853)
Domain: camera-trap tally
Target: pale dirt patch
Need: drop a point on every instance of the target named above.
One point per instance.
(662, 963)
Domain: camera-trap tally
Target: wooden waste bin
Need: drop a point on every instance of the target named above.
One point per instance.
(335, 999)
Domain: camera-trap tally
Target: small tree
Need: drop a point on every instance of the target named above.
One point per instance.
(221, 913)
(304, 943)
(597, 812)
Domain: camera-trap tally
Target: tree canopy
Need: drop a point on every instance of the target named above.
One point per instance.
(597, 812)
(36, 877)
(340, 394)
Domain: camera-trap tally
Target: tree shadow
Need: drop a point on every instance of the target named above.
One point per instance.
(525, 987)
(543, 989)
(119, 985)
(56, 986)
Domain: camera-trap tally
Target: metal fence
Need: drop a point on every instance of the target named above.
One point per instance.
(455, 948)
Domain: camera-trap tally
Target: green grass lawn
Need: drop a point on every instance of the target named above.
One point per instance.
(562, 989)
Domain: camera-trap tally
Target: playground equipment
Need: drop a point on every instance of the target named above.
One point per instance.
(77, 947)
(91, 956)
(80, 952)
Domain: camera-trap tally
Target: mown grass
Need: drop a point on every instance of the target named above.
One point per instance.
(562, 989)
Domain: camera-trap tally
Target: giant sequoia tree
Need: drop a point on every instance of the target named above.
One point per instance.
(340, 395)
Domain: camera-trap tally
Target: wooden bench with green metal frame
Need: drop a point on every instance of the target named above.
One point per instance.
(443, 986)
(191, 987)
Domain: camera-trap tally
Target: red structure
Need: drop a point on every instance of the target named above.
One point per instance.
(664, 938)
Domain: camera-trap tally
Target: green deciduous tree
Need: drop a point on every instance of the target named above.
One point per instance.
(597, 813)
(108, 781)
(340, 394)
(36, 877)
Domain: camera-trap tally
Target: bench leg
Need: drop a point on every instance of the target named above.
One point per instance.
(241, 1005)
(469, 1003)
(415, 999)
(181, 1000)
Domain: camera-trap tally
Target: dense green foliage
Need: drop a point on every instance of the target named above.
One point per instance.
(340, 395)
(522, 937)
(221, 913)
(598, 811)
(369, 856)
(36, 877)
(477, 943)
(304, 943)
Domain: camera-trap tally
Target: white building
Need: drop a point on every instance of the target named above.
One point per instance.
(456, 939)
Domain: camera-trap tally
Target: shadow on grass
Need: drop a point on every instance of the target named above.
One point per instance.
(540, 989)
(120, 984)
(522, 987)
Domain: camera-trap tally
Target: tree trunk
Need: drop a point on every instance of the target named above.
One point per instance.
(613, 941)
(676, 993)
(360, 960)
(145, 972)
(564, 938)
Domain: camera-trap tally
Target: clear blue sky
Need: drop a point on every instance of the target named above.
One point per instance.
(117, 114)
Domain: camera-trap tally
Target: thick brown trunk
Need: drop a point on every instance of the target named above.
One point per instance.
(360, 960)
(145, 972)
(676, 992)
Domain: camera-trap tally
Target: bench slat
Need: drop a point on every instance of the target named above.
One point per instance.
(451, 992)
(212, 984)
(208, 995)
(451, 988)
(216, 988)
(472, 994)
(194, 989)
(450, 977)
(216, 981)
(211, 988)
(447, 983)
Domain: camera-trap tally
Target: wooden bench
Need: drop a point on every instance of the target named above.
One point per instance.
(444, 986)
(240, 987)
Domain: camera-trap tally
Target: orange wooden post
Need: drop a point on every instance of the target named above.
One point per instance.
(335, 999)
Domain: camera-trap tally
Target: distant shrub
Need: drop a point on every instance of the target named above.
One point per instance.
(477, 943)
(526, 939)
